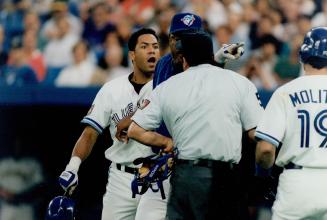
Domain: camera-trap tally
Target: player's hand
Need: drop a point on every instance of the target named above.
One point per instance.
(122, 128)
(229, 52)
(68, 180)
(169, 145)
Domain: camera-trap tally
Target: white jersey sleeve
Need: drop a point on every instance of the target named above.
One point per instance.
(100, 112)
(150, 116)
(251, 109)
(272, 126)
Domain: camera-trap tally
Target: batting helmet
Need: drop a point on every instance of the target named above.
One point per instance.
(314, 48)
(60, 208)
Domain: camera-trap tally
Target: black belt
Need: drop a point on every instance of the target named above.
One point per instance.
(291, 165)
(208, 163)
(127, 169)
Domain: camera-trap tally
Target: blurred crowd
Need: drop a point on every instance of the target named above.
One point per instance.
(80, 43)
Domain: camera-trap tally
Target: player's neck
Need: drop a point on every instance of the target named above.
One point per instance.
(141, 78)
(309, 70)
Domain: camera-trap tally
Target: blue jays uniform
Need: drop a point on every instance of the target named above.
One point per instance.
(164, 70)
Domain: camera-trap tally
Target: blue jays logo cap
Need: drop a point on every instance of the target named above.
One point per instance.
(185, 21)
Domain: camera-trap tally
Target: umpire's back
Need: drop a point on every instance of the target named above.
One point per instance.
(206, 108)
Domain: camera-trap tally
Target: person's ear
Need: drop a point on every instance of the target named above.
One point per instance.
(131, 55)
(185, 64)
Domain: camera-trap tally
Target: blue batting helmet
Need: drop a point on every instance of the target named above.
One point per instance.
(314, 47)
(60, 208)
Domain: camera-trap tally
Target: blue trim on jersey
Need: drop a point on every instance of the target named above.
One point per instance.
(267, 138)
(93, 124)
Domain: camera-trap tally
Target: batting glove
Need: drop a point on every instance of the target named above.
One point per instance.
(68, 180)
(229, 52)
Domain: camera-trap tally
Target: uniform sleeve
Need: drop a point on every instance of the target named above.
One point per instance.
(251, 109)
(164, 70)
(271, 127)
(99, 113)
(150, 116)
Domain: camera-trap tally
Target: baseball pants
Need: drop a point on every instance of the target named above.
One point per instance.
(118, 203)
(301, 194)
(152, 206)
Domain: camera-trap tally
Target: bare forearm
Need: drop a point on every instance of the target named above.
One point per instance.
(153, 139)
(85, 143)
(265, 154)
(265, 160)
(149, 137)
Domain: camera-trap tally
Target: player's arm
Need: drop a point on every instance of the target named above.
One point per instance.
(150, 138)
(85, 143)
(265, 154)
(82, 149)
(251, 134)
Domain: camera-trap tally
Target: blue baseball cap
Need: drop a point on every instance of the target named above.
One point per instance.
(184, 22)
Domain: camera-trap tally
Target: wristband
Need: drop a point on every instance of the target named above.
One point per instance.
(74, 164)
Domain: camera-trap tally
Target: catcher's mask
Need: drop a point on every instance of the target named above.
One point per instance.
(155, 169)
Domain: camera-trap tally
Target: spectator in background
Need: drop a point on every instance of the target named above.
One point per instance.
(59, 10)
(140, 11)
(33, 55)
(32, 23)
(288, 67)
(113, 62)
(263, 26)
(208, 10)
(17, 72)
(81, 72)
(57, 52)
(97, 27)
(260, 67)
(320, 19)
(13, 21)
(303, 25)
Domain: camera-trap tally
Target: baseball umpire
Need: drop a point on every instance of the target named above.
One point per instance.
(295, 121)
(206, 127)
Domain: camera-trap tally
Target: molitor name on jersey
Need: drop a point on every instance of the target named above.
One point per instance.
(309, 96)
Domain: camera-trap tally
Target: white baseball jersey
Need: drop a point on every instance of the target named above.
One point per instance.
(115, 100)
(295, 118)
(204, 109)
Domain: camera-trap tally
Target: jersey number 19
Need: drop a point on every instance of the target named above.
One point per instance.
(304, 117)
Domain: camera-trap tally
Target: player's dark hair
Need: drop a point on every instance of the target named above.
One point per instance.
(135, 36)
(317, 62)
(196, 48)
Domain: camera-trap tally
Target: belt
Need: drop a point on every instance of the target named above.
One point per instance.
(208, 163)
(126, 169)
(291, 165)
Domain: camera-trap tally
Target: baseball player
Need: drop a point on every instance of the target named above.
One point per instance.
(117, 99)
(206, 127)
(295, 121)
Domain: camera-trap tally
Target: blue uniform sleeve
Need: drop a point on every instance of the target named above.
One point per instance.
(164, 70)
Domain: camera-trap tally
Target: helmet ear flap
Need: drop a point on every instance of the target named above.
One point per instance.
(60, 208)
